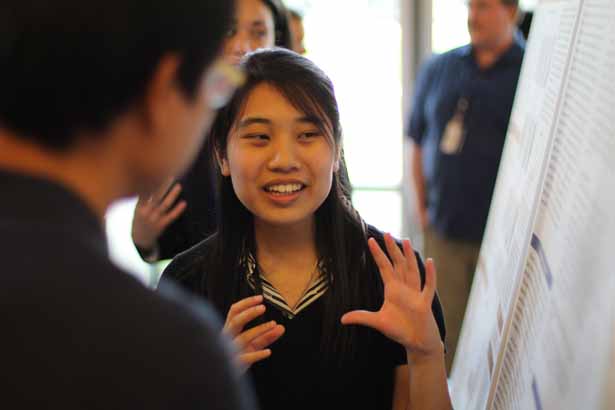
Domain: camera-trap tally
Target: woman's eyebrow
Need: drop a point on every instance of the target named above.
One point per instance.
(310, 119)
(258, 24)
(246, 122)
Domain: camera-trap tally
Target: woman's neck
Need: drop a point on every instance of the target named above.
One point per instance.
(290, 249)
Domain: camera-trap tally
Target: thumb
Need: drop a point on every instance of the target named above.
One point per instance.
(360, 317)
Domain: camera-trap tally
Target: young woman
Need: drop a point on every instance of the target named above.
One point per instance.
(257, 24)
(294, 268)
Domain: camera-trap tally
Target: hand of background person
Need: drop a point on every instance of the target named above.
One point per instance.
(405, 316)
(252, 343)
(154, 213)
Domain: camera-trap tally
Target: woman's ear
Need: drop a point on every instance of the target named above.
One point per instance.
(223, 164)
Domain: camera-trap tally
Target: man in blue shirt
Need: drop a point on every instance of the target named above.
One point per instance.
(458, 125)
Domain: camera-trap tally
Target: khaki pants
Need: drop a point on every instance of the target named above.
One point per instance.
(455, 265)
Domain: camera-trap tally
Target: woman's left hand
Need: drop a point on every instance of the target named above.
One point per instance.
(405, 316)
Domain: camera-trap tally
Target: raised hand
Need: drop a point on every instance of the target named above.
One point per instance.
(252, 344)
(154, 213)
(405, 315)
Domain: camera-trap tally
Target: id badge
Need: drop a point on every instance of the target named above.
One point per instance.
(454, 134)
(452, 139)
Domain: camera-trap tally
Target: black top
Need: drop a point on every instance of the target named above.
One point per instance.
(298, 375)
(78, 333)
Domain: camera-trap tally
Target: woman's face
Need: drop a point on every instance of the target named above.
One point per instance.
(280, 162)
(253, 28)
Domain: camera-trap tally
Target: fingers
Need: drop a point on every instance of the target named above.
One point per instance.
(252, 342)
(158, 195)
(405, 264)
(248, 359)
(243, 312)
(383, 263)
(268, 337)
(260, 336)
(152, 198)
(243, 304)
(172, 215)
(169, 199)
(142, 201)
(235, 325)
(430, 280)
(414, 274)
(156, 209)
(361, 317)
(400, 262)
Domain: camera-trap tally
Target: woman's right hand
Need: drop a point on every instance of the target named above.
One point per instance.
(252, 343)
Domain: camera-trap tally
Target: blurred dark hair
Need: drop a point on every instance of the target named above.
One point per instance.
(280, 21)
(68, 66)
(341, 238)
(525, 22)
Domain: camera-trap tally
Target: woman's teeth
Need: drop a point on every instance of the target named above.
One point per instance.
(284, 189)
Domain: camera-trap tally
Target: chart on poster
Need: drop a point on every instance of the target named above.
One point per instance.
(540, 316)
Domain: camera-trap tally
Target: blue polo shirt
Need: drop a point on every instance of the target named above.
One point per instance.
(459, 185)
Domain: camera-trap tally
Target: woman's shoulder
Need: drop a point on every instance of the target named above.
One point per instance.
(378, 235)
(373, 232)
(187, 268)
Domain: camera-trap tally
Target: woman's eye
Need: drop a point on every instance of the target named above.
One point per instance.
(309, 134)
(259, 34)
(256, 137)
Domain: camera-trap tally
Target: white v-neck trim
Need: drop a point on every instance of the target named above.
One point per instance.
(314, 291)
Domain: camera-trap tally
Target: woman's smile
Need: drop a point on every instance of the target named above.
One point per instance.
(284, 193)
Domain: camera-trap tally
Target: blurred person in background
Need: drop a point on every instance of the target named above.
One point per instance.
(178, 214)
(297, 31)
(460, 113)
(99, 100)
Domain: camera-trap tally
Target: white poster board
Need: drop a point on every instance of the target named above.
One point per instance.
(538, 328)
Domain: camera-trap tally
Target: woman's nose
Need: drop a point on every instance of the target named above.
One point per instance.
(240, 44)
(284, 157)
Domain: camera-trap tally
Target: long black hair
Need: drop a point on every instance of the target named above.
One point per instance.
(280, 22)
(340, 233)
